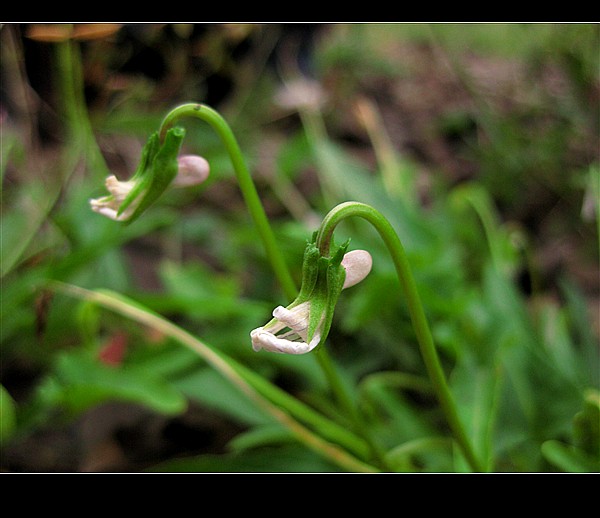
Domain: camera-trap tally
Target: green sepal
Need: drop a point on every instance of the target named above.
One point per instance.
(155, 172)
(318, 299)
(326, 292)
(335, 277)
(310, 272)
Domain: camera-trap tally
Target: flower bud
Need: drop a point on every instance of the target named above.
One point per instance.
(357, 264)
(191, 170)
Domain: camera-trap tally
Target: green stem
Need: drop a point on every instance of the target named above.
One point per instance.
(417, 313)
(345, 400)
(80, 134)
(245, 181)
(257, 212)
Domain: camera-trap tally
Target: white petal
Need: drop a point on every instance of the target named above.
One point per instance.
(262, 339)
(255, 336)
(109, 205)
(357, 264)
(105, 211)
(296, 318)
(118, 189)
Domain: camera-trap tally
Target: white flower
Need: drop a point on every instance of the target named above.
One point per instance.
(109, 205)
(191, 170)
(288, 331)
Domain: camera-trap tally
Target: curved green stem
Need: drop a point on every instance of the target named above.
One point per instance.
(417, 313)
(245, 181)
(257, 212)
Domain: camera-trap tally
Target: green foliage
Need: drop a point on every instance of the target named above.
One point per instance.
(521, 357)
(8, 414)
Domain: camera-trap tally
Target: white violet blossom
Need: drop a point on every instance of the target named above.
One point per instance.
(288, 331)
(160, 167)
(109, 205)
(191, 170)
(293, 340)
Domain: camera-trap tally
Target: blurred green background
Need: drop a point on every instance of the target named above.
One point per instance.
(480, 144)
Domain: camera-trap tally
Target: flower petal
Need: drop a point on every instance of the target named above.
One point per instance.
(296, 318)
(262, 339)
(117, 188)
(109, 205)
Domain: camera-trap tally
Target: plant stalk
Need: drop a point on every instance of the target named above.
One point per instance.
(342, 395)
(417, 313)
(257, 212)
(270, 398)
(278, 264)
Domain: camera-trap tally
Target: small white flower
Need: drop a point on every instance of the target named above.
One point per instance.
(301, 94)
(109, 205)
(288, 331)
(191, 170)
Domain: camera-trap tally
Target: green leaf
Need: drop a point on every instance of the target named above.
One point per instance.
(393, 416)
(282, 459)
(568, 458)
(8, 416)
(435, 449)
(586, 424)
(265, 435)
(208, 387)
(475, 389)
(270, 397)
(85, 382)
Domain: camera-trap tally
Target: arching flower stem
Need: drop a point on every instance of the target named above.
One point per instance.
(246, 184)
(417, 313)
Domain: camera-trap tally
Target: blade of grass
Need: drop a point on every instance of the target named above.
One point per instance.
(258, 389)
(397, 178)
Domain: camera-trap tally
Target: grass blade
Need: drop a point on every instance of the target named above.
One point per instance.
(252, 385)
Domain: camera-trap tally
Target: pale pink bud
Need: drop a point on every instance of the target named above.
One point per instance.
(357, 264)
(193, 170)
